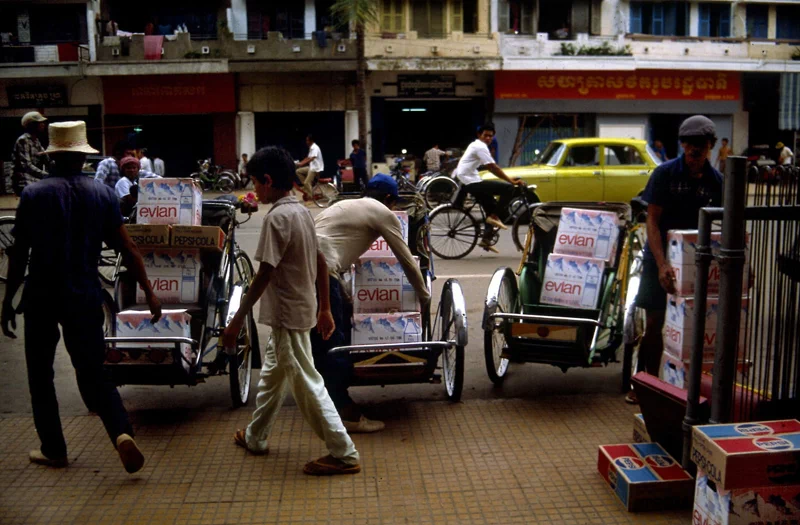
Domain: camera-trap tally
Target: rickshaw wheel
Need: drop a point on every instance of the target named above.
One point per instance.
(109, 315)
(452, 357)
(633, 328)
(240, 365)
(501, 297)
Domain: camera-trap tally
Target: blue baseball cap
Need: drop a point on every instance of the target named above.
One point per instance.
(384, 183)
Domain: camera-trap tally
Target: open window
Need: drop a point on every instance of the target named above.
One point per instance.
(429, 18)
(788, 22)
(583, 156)
(464, 15)
(516, 16)
(618, 155)
(757, 20)
(659, 18)
(555, 19)
(289, 20)
(715, 20)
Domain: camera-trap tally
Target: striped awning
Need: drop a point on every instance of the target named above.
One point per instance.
(789, 112)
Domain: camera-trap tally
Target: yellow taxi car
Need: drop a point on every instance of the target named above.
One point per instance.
(589, 169)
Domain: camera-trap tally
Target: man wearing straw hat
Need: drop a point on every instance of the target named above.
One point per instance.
(61, 224)
(29, 163)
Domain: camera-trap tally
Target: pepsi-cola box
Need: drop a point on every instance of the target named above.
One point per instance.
(645, 477)
(746, 455)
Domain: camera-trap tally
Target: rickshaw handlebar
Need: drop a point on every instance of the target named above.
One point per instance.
(549, 318)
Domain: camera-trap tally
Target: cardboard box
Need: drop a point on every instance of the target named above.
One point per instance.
(380, 285)
(202, 237)
(380, 246)
(173, 323)
(753, 506)
(745, 455)
(587, 233)
(679, 326)
(169, 201)
(572, 281)
(681, 248)
(401, 327)
(645, 477)
(173, 274)
(640, 434)
(154, 235)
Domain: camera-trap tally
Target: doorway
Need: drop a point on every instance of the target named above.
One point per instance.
(289, 130)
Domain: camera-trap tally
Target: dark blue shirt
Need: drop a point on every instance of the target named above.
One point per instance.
(63, 220)
(681, 196)
(359, 159)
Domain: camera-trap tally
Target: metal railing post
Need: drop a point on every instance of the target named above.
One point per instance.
(703, 260)
(731, 263)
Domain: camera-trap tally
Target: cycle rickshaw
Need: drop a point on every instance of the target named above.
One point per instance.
(519, 328)
(417, 362)
(224, 279)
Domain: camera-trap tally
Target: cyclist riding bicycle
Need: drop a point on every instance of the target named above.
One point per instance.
(485, 191)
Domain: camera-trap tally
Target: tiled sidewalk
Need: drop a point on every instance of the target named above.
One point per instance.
(501, 461)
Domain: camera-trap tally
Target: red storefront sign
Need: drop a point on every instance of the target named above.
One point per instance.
(618, 85)
(169, 94)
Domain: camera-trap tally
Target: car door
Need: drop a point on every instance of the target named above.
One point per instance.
(580, 177)
(625, 172)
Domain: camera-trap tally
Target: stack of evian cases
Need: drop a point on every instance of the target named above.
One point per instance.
(679, 322)
(385, 305)
(174, 274)
(586, 242)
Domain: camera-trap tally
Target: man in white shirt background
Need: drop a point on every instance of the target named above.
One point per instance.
(158, 165)
(785, 157)
(310, 167)
(144, 161)
(433, 158)
(485, 191)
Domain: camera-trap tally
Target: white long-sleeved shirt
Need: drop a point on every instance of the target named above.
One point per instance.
(348, 228)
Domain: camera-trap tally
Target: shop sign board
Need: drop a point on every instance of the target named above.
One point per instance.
(169, 94)
(618, 85)
(426, 85)
(36, 96)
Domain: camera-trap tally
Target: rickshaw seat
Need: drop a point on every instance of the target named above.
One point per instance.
(218, 213)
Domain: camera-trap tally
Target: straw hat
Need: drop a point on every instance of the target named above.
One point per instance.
(69, 137)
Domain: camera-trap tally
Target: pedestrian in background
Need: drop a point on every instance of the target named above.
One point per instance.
(158, 165)
(108, 169)
(30, 164)
(61, 225)
(433, 158)
(291, 266)
(660, 150)
(722, 156)
(358, 159)
(310, 167)
(144, 160)
(785, 155)
(243, 171)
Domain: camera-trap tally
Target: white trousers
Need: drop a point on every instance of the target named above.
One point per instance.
(289, 362)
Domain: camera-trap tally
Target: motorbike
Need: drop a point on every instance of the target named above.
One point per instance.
(214, 177)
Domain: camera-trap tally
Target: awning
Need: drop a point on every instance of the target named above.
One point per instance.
(789, 112)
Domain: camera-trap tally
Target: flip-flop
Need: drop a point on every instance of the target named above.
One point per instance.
(240, 439)
(330, 466)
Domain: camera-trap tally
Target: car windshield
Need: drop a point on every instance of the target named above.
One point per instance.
(653, 156)
(552, 154)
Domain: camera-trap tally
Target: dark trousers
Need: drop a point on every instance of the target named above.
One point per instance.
(83, 337)
(485, 192)
(360, 174)
(335, 369)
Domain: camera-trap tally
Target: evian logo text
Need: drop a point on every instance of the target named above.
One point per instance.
(562, 287)
(576, 240)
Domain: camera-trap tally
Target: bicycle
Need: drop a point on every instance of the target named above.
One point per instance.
(215, 178)
(456, 227)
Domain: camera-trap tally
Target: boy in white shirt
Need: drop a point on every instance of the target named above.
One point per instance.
(484, 191)
(310, 167)
(291, 265)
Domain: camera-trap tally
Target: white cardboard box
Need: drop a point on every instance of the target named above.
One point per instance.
(572, 281)
(381, 286)
(173, 323)
(173, 274)
(679, 326)
(587, 233)
(169, 201)
(380, 247)
(379, 328)
(681, 249)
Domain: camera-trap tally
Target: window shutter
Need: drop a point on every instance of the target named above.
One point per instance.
(705, 20)
(636, 18)
(502, 16)
(670, 19)
(386, 15)
(658, 19)
(725, 21)
(526, 18)
(457, 15)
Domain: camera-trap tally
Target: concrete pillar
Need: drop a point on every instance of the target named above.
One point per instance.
(245, 133)
(350, 129)
(740, 136)
(485, 18)
(772, 22)
(494, 16)
(694, 19)
(738, 25)
(237, 19)
(91, 30)
(311, 17)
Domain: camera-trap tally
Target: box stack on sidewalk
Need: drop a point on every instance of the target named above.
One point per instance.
(679, 322)
(385, 305)
(170, 238)
(586, 242)
(747, 473)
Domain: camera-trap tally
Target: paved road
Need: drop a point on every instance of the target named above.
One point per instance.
(473, 272)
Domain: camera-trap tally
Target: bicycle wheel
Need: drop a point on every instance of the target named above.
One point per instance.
(224, 184)
(438, 191)
(453, 356)
(107, 266)
(109, 315)
(454, 233)
(241, 363)
(501, 297)
(324, 194)
(6, 241)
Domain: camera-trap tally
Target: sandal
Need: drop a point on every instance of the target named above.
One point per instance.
(330, 466)
(240, 439)
(632, 398)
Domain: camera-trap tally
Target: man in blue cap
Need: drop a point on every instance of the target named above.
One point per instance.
(345, 231)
